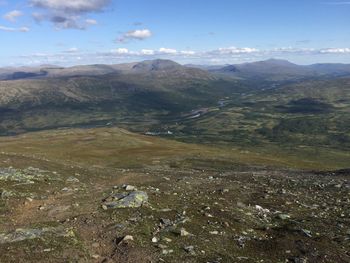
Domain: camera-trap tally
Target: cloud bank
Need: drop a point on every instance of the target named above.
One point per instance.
(68, 14)
(225, 55)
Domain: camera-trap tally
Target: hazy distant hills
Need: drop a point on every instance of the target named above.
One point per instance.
(272, 69)
(96, 83)
(278, 70)
(154, 68)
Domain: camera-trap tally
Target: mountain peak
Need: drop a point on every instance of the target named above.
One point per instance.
(156, 65)
(275, 61)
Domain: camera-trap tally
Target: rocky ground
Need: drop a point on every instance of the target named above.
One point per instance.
(168, 214)
(180, 210)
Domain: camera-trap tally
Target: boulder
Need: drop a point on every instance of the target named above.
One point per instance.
(126, 200)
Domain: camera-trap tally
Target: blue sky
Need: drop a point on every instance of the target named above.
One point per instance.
(68, 32)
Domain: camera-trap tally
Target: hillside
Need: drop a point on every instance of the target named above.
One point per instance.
(286, 118)
(158, 162)
(192, 202)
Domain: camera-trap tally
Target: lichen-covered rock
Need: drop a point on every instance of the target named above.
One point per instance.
(72, 180)
(27, 234)
(126, 200)
(4, 194)
(29, 175)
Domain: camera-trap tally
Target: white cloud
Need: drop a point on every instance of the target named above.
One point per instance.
(139, 34)
(217, 56)
(236, 50)
(13, 15)
(292, 50)
(188, 52)
(120, 51)
(72, 50)
(168, 51)
(335, 50)
(12, 29)
(148, 52)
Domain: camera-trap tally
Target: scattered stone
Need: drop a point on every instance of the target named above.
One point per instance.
(126, 200)
(184, 233)
(208, 215)
(306, 232)
(125, 239)
(190, 250)
(297, 260)
(129, 187)
(261, 209)
(72, 180)
(154, 240)
(166, 222)
(167, 251)
(162, 246)
(215, 232)
(168, 240)
(283, 216)
(165, 210)
(241, 240)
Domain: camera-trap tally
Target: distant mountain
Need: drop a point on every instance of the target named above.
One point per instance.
(155, 86)
(153, 68)
(279, 70)
(156, 65)
(333, 69)
(269, 70)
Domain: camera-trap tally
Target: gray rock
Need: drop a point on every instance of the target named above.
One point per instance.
(190, 250)
(126, 200)
(129, 188)
(166, 222)
(72, 180)
(283, 216)
(27, 234)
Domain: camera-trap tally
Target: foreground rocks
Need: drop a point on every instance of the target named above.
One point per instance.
(27, 234)
(174, 215)
(132, 199)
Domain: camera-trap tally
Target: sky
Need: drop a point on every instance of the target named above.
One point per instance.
(71, 32)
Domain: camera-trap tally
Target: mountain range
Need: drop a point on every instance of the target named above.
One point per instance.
(264, 104)
(273, 68)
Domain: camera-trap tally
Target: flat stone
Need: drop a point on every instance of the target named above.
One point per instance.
(126, 239)
(129, 188)
(27, 234)
(126, 200)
